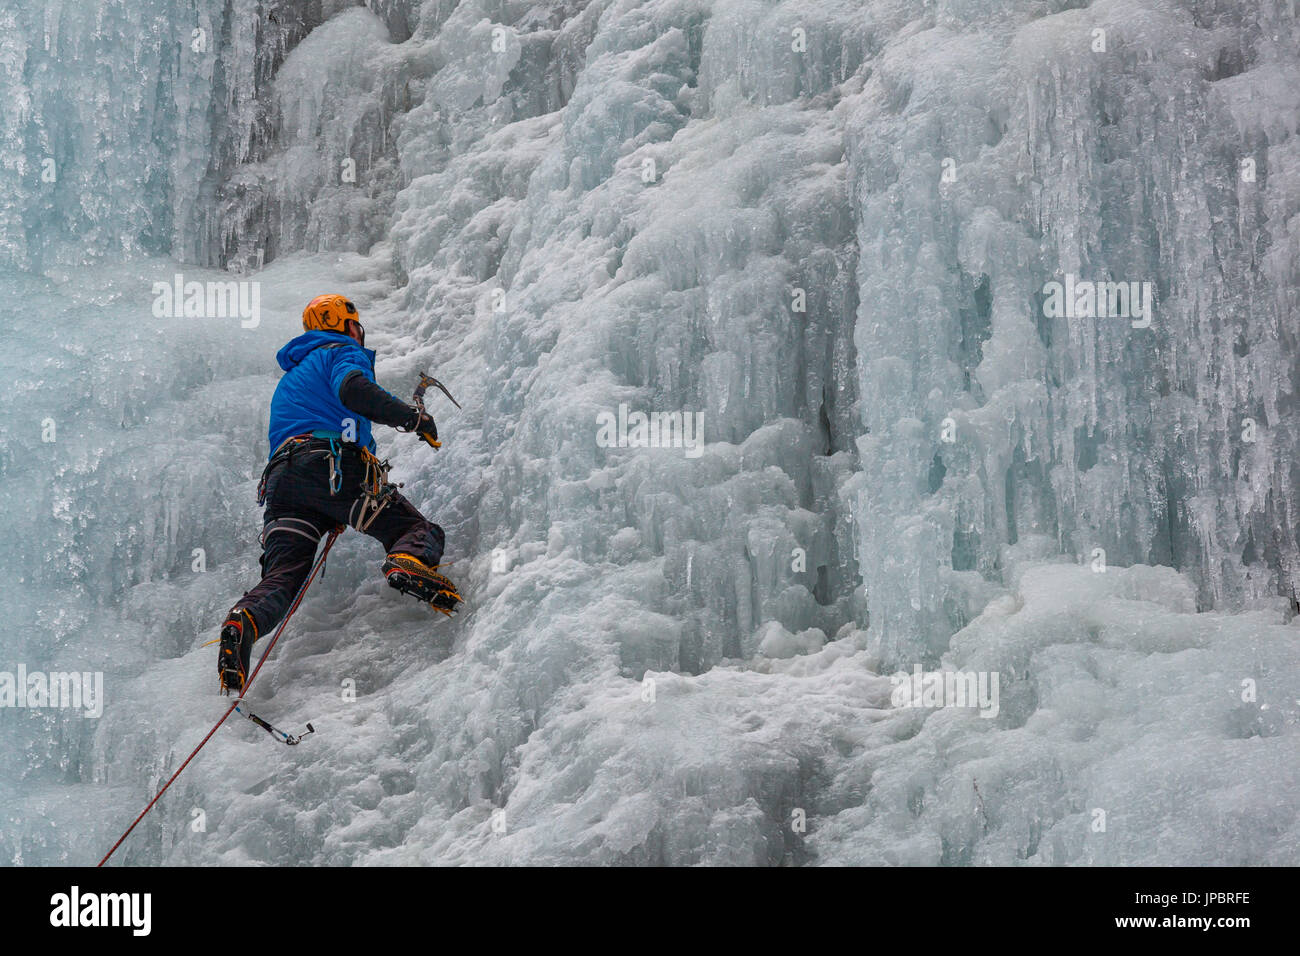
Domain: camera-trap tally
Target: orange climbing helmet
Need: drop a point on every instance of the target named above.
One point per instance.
(329, 313)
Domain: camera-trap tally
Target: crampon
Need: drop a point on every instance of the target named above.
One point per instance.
(410, 575)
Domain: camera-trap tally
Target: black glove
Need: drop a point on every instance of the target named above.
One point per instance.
(422, 424)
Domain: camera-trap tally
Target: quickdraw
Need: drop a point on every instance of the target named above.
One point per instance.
(336, 466)
(291, 739)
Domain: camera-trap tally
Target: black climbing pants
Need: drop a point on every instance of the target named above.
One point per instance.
(300, 510)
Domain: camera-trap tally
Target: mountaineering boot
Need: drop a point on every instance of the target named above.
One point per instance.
(237, 636)
(410, 575)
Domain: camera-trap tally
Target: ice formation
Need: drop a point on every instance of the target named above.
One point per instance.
(827, 231)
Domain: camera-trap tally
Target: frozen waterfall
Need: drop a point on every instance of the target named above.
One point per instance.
(985, 313)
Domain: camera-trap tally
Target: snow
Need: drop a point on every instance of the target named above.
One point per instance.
(665, 657)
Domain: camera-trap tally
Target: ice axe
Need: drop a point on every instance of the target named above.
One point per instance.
(430, 438)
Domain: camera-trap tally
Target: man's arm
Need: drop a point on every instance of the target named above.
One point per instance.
(360, 395)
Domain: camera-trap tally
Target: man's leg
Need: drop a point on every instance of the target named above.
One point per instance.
(414, 545)
(288, 549)
(401, 528)
(299, 512)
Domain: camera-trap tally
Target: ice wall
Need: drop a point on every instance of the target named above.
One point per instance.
(608, 253)
(121, 119)
(1164, 157)
(328, 179)
(617, 206)
(827, 228)
(128, 451)
(945, 164)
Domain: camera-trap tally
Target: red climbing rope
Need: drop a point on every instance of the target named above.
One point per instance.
(252, 677)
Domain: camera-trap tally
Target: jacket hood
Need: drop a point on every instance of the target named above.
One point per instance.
(295, 350)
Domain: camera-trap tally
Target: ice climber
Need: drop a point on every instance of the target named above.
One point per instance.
(323, 474)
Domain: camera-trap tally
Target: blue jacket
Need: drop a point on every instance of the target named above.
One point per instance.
(307, 398)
